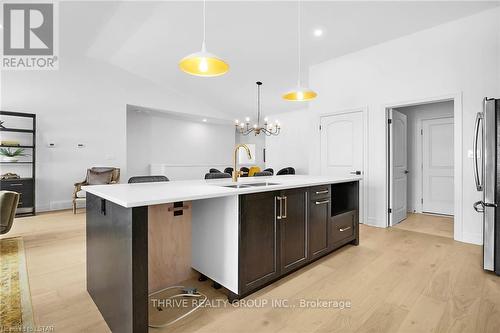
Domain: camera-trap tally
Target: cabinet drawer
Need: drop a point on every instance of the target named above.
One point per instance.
(25, 199)
(22, 186)
(342, 226)
(319, 192)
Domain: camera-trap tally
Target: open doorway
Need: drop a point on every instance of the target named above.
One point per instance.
(421, 167)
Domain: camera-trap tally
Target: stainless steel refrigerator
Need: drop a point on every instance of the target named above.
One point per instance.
(487, 177)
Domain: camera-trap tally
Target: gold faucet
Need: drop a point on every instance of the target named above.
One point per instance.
(237, 173)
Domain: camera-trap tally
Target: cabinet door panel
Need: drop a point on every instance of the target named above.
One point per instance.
(319, 213)
(258, 240)
(293, 230)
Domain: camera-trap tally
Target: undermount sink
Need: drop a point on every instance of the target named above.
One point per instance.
(249, 185)
(261, 184)
(236, 186)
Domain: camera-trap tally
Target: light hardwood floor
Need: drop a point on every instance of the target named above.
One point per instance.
(429, 224)
(396, 280)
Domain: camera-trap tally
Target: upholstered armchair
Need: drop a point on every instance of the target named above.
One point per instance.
(8, 206)
(95, 176)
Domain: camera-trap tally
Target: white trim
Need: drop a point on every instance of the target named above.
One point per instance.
(364, 182)
(457, 99)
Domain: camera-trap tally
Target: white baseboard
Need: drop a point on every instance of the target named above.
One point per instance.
(59, 205)
(472, 238)
(374, 222)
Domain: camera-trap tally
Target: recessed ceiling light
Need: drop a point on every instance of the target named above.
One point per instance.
(204, 120)
(318, 32)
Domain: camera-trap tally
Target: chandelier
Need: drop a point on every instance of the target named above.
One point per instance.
(268, 129)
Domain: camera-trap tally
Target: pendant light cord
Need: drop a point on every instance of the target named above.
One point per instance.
(258, 104)
(298, 42)
(204, 21)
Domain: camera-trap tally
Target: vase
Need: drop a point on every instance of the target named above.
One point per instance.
(9, 159)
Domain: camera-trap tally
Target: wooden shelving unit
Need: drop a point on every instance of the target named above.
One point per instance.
(26, 186)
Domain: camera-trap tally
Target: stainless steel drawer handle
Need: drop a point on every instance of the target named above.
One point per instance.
(322, 192)
(17, 184)
(286, 207)
(344, 229)
(280, 214)
(322, 202)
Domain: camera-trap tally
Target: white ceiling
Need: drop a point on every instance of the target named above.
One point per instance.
(258, 40)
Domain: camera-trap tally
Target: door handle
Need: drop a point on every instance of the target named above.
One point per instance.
(344, 229)
(357, 172)
(477, 125)
(278, 217)
(477, 208)
(285, 199)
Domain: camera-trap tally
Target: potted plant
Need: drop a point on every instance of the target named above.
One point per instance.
(11, 155)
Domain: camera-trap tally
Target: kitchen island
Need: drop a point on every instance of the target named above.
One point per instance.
(243, 236)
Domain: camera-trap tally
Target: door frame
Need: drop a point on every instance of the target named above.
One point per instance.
(457, 99)
(363, 183)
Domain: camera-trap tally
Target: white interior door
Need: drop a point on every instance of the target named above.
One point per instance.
(398, 167)
(342, 144)
(342, 148)
(437, 169)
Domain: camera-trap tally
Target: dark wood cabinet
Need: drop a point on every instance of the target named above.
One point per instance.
(293, 229)
(281, 231)
(319, 217)
(344, 220)
(24, 187)
(258, 249)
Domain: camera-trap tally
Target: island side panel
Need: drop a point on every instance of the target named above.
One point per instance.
(169, 246)
(215, 240)
(117, 257)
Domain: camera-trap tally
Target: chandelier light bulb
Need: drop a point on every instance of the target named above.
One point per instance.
(247, 119)
(242, 125)
(236, 121)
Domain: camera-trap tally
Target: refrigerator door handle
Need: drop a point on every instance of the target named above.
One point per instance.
(479, 206)
(479, 117)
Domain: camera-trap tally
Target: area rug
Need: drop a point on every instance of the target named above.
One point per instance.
(16, 313)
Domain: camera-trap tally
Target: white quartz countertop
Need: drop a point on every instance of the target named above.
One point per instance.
(146, 194)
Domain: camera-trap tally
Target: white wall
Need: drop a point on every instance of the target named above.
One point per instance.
(177, 148)
(415, 115)
(291, 147)
(460, 57)
(82, 102)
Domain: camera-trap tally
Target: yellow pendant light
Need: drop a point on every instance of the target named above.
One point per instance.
(203, 63)
(300, 93)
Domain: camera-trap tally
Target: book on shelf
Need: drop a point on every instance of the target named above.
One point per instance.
(9, 143)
